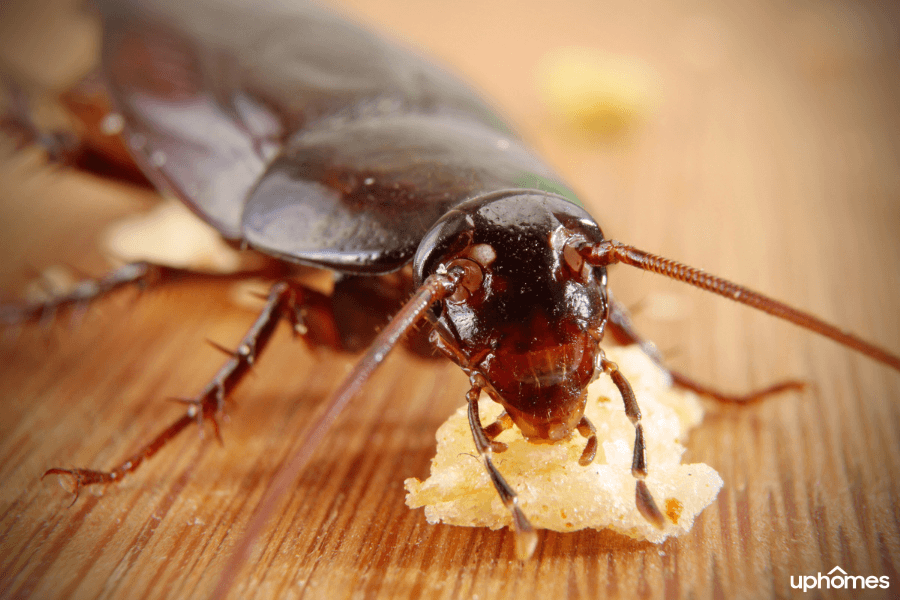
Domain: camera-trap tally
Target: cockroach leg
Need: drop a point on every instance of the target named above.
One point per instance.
(503, 422)
(526, 538)
(141, 275)
(282, 303)
(609, 252)
(194, 405)
(790, 385)
(587, 429)
(435, 288)
(643, 499)
(623, 330)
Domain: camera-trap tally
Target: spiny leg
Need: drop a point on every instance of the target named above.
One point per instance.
(622, 328)
(139, 274)
(609, 252)
(643, 499)
(435, 288)
(526, 538)
(285, 300)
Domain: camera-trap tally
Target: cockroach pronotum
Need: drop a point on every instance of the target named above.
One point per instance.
(326, 146)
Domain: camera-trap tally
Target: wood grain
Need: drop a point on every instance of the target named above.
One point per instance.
(772, 158)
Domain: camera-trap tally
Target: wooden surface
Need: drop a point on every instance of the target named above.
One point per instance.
(772, 158)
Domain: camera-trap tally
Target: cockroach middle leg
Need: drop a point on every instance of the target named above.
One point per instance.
(609, 252)
(623, 330)
(526, 538)
(285, 301)
(644, 500)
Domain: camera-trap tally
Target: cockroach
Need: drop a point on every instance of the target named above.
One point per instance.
(308, 139)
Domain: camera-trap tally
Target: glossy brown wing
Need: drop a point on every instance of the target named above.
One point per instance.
(359, 195)
(294, 108)
(207, 147)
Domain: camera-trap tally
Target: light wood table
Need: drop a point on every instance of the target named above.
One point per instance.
(772, 157)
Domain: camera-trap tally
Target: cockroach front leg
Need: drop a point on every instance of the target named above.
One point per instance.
(643, 499)
(526, 538)
(285, 300)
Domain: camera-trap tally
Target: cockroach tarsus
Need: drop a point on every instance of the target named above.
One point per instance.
(509, 271)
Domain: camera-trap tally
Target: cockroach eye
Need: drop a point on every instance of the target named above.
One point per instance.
(471, 280)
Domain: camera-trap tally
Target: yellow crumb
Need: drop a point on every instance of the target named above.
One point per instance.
(555, 492)
(597, 92)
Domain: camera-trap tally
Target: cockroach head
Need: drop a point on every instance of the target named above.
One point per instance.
(511, 220)
(529, 311)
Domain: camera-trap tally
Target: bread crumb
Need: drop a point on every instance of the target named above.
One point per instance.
(171, 235)
(595, 91)
(555, 492)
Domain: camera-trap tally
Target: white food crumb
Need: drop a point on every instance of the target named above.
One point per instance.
(171, 235)
(555, 492)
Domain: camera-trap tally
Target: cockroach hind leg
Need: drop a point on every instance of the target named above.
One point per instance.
(77, 299)
(137, 275)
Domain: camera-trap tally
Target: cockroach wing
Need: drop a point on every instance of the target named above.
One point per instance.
(181, 133)
(211, 89)
(357, 193)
